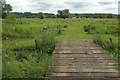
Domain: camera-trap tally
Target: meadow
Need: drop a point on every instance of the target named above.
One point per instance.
(27, 49)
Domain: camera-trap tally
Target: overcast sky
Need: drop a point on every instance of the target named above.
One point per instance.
(75, 6)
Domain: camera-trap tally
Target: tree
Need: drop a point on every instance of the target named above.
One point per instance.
(63, 13)
(19, 14)
(49, 15)
(77, 15)
(41, 15)
(27, 14)
(11, 18)
(6, 8)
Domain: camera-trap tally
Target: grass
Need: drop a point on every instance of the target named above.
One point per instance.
(46, 42)
(26, 64)
(12, 43)
(34, 63)
(106, 44)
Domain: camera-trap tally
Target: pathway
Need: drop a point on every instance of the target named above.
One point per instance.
(82, 59)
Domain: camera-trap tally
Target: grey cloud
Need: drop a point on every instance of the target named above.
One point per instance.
(40, 5)
(105, 3)
(78, 4)
(111, 9)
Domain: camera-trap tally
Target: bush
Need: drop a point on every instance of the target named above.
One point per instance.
(11, 18)
(21, 56)
(108, 45)
(56, 28)
(88, 28)
(41, 15)
(46, 42)
(65, 26)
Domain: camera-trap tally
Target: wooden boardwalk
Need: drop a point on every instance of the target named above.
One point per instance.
(82, 59)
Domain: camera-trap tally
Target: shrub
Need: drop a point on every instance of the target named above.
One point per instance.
(65, 26)
(46, 42)
(108, 45)
(59, 31)
(21, 56)
(41, 15)
(88, 28)
(11, 18)
(56, 28)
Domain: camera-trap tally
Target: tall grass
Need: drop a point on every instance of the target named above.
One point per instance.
(34, 65)
(30, 64)
(107, 45)
(45, 42)
(18, 31)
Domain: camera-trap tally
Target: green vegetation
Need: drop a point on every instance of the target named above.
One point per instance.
(108, 44)
(28, 45)
(28, 42)
(6, 8)
(63, 13)
(88, 28)
(11, 18)
(25, 64)
(46, 42)
(41, 15)
(51, 15)
(96, 15)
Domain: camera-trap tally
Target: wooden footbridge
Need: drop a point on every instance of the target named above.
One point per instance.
(82, 59)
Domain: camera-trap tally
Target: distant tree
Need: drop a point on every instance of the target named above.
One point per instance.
(72, 15)
(11, 18)
(27, 14)
(77, 15)
(19, 14)
(41, 15)
(49, 15)
(63, 13)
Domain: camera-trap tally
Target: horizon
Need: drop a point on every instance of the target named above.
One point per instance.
(77, 6)
(70, 13)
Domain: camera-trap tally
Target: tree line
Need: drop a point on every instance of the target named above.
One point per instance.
(63, 15)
